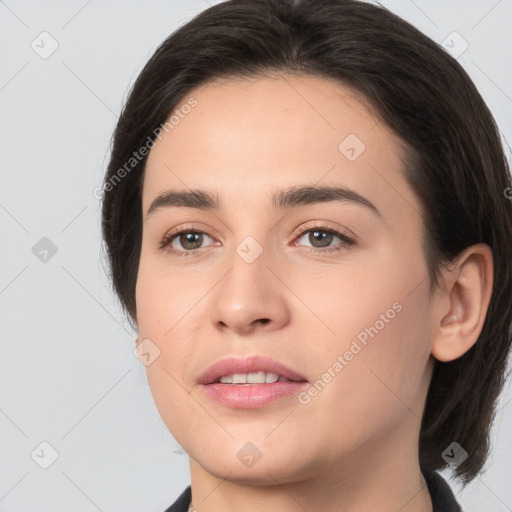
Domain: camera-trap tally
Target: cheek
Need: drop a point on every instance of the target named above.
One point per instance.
(168, 311)
(164, 309)
(371, 370)
(378, 361)
(165, 297)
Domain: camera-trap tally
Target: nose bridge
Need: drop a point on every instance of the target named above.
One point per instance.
(248, 281)
(250, 250)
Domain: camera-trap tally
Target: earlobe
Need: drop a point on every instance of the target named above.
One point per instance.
(465, 300)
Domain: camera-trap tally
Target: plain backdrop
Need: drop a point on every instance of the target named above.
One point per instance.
(73, 397)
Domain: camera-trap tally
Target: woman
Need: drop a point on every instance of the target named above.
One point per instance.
(306, 220)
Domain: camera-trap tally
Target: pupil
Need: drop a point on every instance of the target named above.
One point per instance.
(325, 237)
(191, 238)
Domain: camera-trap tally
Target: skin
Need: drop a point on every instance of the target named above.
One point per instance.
(354, 445)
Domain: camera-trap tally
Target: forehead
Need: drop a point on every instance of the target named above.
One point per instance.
(248, 137)
(302, 111)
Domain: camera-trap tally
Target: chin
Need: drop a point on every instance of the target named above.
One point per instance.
(261, 474)
(245, 464)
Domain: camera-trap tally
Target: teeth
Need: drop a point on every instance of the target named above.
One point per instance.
(253, 378)
(256, 378)
(271, 377)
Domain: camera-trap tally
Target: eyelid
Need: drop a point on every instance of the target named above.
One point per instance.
(189, 227)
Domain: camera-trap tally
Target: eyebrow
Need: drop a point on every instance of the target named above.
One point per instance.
(288, 198)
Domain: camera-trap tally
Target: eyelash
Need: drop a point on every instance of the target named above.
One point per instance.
(346, 241)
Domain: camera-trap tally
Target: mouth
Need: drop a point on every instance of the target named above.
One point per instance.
(250, 383)
(254, 378)
(249, 370)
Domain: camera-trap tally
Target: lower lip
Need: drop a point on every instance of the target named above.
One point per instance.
(251, 396)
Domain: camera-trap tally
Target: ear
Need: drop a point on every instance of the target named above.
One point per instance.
(462, 303)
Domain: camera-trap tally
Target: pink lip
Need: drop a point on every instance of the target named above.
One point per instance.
(249, 396)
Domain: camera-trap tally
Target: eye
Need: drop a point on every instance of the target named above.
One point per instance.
(322, 237)
(190, 240)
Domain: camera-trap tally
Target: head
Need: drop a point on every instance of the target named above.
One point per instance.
(257, 110)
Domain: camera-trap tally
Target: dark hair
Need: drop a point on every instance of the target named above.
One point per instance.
(455, 162)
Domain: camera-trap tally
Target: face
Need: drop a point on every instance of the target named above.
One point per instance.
(329, 281)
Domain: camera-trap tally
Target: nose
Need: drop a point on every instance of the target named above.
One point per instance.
(250, 297)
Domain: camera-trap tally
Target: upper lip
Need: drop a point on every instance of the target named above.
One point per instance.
(232, 365)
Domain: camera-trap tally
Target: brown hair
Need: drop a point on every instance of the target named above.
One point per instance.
(455, 162)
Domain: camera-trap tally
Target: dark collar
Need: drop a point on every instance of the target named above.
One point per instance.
(182, 503)
(441, 494)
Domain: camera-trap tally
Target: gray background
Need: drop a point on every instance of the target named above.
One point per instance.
(68, 376)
